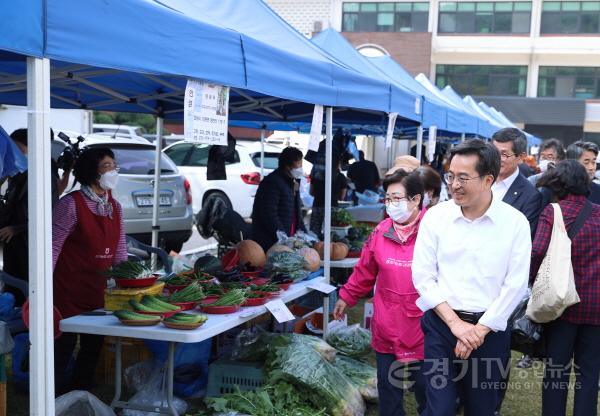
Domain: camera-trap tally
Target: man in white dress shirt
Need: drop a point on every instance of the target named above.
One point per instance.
(471, 268)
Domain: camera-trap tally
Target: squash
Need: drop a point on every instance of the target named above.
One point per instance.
(250, 252)
(276, 248)
(319, 247)
(339, 251)
(313, 260)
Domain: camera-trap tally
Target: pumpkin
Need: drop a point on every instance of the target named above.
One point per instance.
(319, 247)
(339, 251)
(276, 248)
(250, 252)
(313, 260)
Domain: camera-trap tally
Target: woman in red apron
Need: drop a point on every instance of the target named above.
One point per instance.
(87, 239)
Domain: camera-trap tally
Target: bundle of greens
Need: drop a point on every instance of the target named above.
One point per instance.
(130, 270)
(341, 218)
(231, 298)
(352, 341)
(256, 347)
(361, 375)
(300, 364)
(191, 293)
(291, 264)
(281, 399)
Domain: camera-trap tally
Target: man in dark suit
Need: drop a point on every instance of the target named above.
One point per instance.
(514, 189)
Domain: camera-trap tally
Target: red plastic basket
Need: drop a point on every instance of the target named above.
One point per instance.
(219, 309)
(185, 306)
(230, 259)
(128, 283)
(284, 286)
(254, 274)
(255, 301)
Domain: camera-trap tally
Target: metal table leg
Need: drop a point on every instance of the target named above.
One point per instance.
(118, 365)
(170, 376)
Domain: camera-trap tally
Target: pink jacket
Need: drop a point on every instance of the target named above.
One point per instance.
(385, 262)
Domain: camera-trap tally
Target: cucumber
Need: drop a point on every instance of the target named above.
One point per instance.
(128, 315)
(158, 305)
(186, 319)
(142, 307)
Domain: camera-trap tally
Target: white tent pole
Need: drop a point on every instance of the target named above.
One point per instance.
(156, 202)
(419, 143)
(262, 153)
(327, 220)
(462, 137)
(41, 326)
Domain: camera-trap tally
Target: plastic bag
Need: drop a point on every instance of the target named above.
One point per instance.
(525, 333)
(81, 403)
(297, 241)
(154, 393)
(362, 375)
(191, 365)
(354, 341)
(254, 345)
(367, 197)
(299, 363)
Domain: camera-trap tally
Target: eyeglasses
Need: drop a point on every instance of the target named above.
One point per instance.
(395, 199)
(462, 180)
(505, 156)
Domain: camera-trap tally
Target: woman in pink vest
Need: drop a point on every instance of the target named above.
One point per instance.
(87, 239)
(385, 265)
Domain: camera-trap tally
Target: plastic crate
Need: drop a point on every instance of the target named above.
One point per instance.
(116, 299)
(224, 375)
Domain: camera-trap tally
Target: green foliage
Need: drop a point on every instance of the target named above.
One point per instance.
(147, 121)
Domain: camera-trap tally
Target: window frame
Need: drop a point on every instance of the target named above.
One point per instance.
(368, 21)
(549, 74)
(480, 80)
(481, 10)
(558, 16)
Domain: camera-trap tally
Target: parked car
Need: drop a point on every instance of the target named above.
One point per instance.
(243, 175)
(119, 130)
(135, 157)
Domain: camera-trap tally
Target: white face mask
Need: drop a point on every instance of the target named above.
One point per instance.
(399, 213)
(297, 173)
(109, 180)
(426, 200)
(544, 164)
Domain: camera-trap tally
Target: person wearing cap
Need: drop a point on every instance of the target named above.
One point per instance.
(406, 162)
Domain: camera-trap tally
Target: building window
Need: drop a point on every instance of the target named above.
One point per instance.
(385, 17)
(563, 81)
(483, 79)
(485, 17)
(570, 17)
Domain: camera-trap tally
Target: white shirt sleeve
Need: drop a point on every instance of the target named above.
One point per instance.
(514, 287)
(425, 265)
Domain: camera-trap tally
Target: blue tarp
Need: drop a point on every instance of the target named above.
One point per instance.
(220, 41)
(434, 110)
(404, 101)
(12, 161)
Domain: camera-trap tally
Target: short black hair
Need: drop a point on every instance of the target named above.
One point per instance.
(361, 155)
(19, 136)
(575, 150)
(412, 182)
(86, 166)
(553, 144)
(489, 158)
(514, 136)
(569, 177)
(289, 155)
(431, 180)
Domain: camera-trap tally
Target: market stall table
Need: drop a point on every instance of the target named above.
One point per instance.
(367, 213)
(215, 325)
(347, 263)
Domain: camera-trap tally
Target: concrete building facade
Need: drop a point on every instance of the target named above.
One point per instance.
(537, 61)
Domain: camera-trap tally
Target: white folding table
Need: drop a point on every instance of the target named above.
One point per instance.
(109, 325)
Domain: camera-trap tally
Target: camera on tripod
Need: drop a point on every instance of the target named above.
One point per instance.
(71, 152)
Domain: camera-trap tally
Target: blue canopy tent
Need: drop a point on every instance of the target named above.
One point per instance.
(484, 126)
(12, 161)
(497, 115)
(113, 55)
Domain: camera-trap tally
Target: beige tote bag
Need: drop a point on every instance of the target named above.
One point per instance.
(554, 287)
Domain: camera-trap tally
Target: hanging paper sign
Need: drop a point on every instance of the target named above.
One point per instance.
(431, 142)
(315, 128)
(279, 310)
(205, 115)
(322, 287)
(390, 129)
(418, 105)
